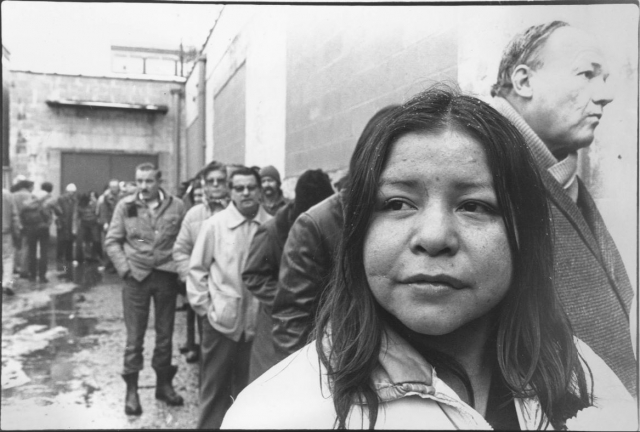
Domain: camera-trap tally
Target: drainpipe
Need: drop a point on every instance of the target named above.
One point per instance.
(202, 105)
(177, 92)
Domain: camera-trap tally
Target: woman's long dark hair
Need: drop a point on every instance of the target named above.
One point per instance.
(533, 337)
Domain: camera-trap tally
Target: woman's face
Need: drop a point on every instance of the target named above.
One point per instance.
(436, 253)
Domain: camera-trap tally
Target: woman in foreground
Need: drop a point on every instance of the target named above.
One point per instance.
(441, 313)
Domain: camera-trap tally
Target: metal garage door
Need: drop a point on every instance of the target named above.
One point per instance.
(92, 171)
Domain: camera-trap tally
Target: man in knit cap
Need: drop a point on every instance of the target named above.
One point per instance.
(272, 197)
(552, 85)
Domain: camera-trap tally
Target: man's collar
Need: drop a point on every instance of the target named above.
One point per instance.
(160, 197)
(563, 171)
(236, 218)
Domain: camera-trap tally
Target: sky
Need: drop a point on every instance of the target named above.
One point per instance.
(76, 37)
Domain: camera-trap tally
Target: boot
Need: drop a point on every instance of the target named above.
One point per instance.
(164, 388)
(131, 400)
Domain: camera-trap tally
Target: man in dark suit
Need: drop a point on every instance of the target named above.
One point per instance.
(552, 86)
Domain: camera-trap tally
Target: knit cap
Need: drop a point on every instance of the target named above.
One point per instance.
(270, 171)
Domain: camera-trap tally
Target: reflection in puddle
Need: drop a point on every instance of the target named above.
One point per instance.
(51, 370)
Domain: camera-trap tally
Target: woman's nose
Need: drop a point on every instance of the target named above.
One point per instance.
(435, 231)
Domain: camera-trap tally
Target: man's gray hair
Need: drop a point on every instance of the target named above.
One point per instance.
(523, 49)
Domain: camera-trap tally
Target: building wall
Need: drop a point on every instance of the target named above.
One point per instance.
(342, 64)
(39, 133)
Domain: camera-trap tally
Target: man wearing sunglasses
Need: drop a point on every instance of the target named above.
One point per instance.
(215, 290)
(216, 199)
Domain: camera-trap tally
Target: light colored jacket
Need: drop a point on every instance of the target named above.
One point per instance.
(139, 240)
(295, 394)
(10, 220)
(214, 283)
(188, 234)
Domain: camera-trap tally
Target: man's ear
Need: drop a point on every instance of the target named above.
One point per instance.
(521, 80)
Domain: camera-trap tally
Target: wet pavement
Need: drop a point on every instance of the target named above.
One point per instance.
(62, 348)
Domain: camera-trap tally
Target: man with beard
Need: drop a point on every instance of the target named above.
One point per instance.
(216, 291)
(272, 197)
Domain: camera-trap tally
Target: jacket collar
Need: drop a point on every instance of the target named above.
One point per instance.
(235, 218)
(564, 171)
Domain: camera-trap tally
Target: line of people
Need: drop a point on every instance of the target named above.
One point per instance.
(81, 221)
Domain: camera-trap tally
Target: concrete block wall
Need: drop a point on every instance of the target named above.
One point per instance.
(39, 133)
(344, 64)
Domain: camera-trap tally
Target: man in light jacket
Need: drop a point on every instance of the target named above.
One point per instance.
(139, 242)
(214, 179)
(215, 290)
(552, 85)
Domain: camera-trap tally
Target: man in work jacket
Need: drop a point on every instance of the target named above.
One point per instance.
(139, 242)
(552, 86)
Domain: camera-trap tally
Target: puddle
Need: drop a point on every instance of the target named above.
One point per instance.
(46, 338)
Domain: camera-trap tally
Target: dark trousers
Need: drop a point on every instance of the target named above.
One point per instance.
(136, 300)
(224, 372)
(65, 248)
(37, 237)
(89, 247)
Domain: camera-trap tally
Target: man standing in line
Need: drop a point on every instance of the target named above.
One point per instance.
(10, 236)
(139, 242)
(67, 226)
(552, 86)
(272, 197)
(22, 193)
(106, 205)
(215, 290)
(36, 217)
(216, 199)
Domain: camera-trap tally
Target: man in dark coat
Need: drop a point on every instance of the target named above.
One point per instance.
(66, 224)
(552, 87)
(307, 261)
(260, 273)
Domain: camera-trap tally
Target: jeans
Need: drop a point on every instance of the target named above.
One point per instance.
(37, 237)
(224, 372)
(136, 300)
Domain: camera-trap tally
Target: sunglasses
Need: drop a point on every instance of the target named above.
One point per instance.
(240, 189)
(215, 182)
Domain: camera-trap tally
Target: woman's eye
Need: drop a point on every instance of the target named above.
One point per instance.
(475, 207)
(587, 74)
(395, 205)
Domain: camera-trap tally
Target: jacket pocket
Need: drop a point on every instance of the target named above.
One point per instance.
(224, 309)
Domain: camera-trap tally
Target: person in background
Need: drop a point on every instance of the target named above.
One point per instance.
(11, 229)
(552, 85)
(106, 205)
(213, 182)
(307, 260)
(260, 273)
(216, 291)
(272, 197)
(67, 226)
(139, 242)
(88, 241)
(36, 216)
(22, 193)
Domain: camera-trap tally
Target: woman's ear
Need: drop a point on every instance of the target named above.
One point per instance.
(521, 80)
